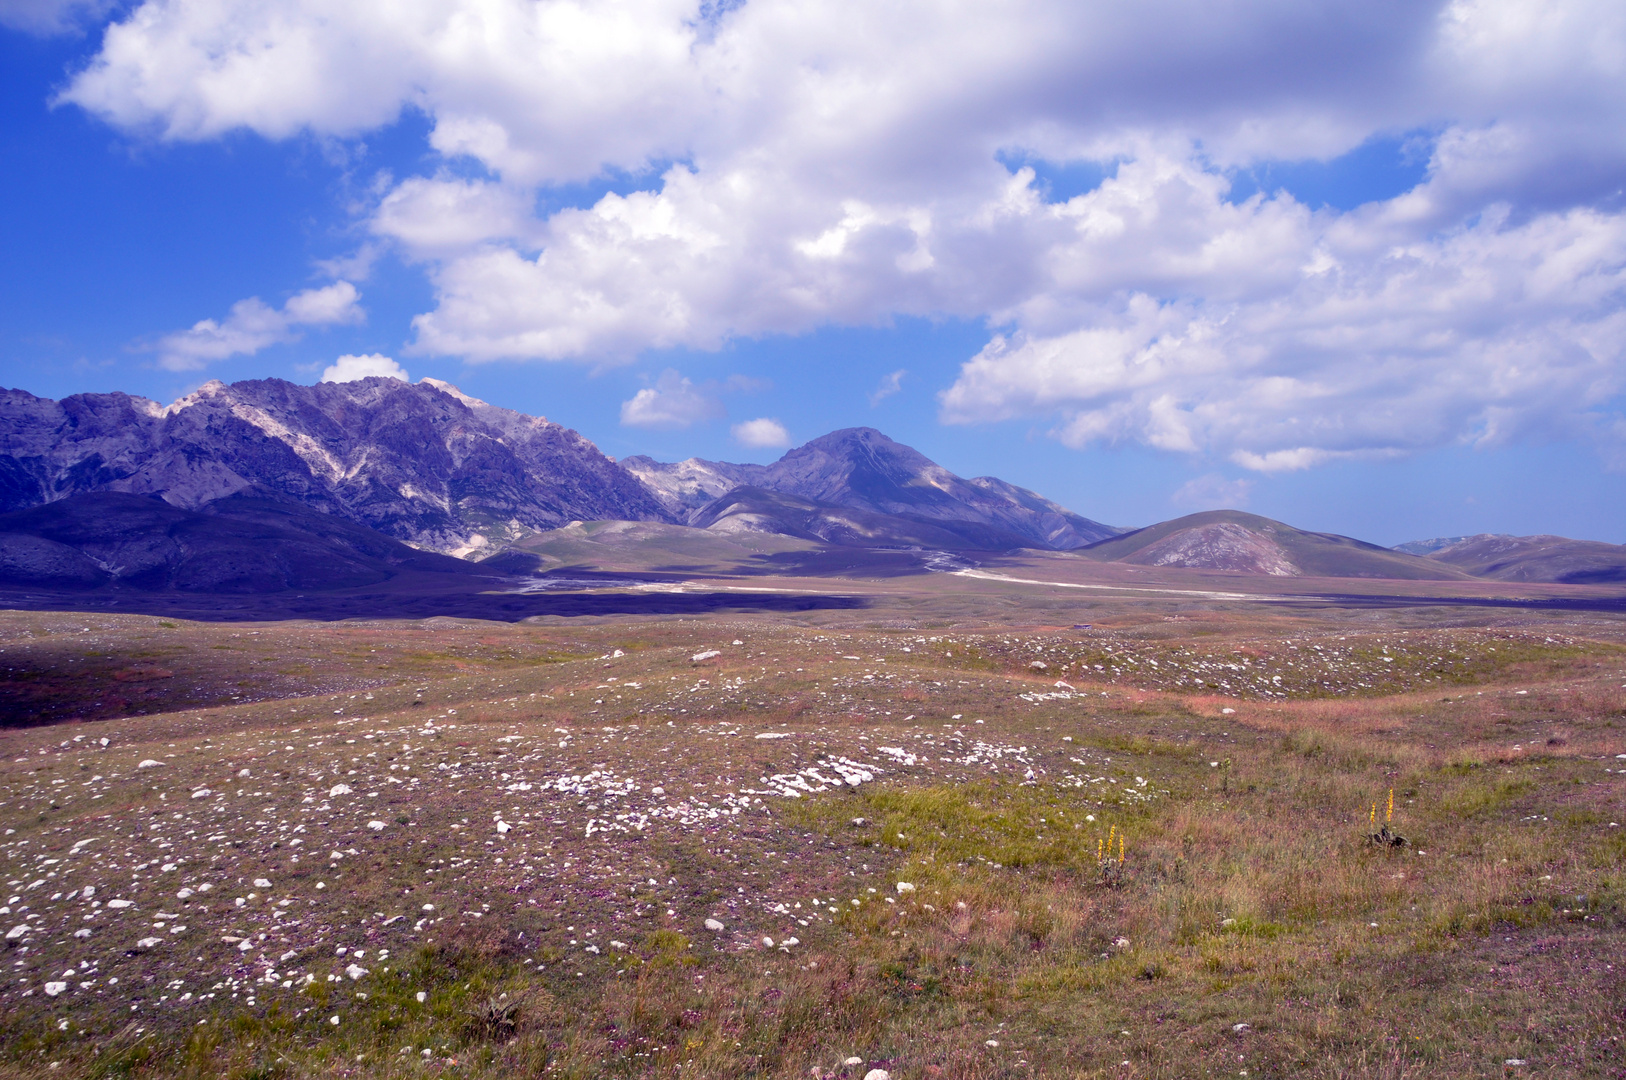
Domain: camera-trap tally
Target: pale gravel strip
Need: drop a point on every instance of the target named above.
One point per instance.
(986, 576)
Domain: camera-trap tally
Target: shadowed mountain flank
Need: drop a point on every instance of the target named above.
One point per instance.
(245, 558)
(425, 597)
(239, 544)
(1247, 543)
(860, 469)
(1531, 558)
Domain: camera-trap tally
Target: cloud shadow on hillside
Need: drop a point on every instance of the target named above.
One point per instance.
(1610, 604)
(403, 602)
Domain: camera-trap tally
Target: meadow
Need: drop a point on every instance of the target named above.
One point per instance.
(990, 843)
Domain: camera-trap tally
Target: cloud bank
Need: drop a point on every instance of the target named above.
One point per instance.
(846, 163)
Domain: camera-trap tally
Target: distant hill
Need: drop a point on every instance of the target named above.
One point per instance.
(860, 469)
(1532, 558)
(422, 462)
(1248, 543)
(238, 544)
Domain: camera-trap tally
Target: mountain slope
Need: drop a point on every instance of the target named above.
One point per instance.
(1534, 558)
(756, 510)
(242, 543)
(861, 469)
(1248, 543)
(420, 462)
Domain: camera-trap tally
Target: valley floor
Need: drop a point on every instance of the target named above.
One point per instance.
(958, 831)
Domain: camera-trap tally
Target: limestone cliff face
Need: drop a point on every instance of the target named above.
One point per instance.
(420, 462)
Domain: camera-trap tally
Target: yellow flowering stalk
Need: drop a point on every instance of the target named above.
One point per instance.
(1112, 870)
(1384, 836)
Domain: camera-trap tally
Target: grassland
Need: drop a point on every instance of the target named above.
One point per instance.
(458, 848)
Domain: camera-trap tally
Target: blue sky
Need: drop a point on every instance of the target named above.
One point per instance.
(1363, 272)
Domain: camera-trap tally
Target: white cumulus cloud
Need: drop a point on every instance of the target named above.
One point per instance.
(350, 367)
(761, 434)
(804, 165)
(254, 325)
(672, 403)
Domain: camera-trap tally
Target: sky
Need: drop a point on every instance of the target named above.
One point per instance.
(1360, 266)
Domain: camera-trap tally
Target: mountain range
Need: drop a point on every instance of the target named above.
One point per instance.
(242, 543)
(268, 485)
(420, 462)
(1527, 558)
(856, 486)
(430, 465)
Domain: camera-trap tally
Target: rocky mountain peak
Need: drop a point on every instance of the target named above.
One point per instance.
(422, 462)
(862, 469)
